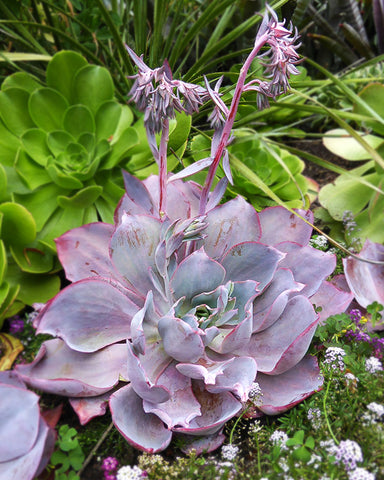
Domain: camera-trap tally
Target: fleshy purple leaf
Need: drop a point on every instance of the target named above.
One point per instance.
(143, 380)
(284, 344)
(216, 408)
(282, 392)
(84, 252)
(290, 227)
(182, 406)
(133, 248)
(19, 421)
(229, 224)
(331, 299)
(144, 431)
(268, 306)
(80, 316)
(195, 274)
(366, 280)
(58, 369)
(252, 261)
(91, 407)
(303, 262)
(180, 340)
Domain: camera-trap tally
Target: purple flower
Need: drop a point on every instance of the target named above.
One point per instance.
(109, 464)
(355, 315)
(16, 324)
(159, 96)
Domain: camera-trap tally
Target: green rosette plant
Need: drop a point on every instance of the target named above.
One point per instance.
(23, 267)
(277, 169)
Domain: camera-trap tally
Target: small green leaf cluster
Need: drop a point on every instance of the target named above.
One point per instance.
(69, 456)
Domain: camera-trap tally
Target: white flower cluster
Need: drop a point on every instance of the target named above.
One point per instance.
(334, 358)
(360, 474)
(349, 453)
(129, 473)
(329, 446)
(229, 452)
(255, 394)
(374, 415)
(279, 438)
(373, 365)
(314, 416)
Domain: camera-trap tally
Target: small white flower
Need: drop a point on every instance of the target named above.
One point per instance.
(334, 358)
(377, 409)
(129, 473)
(329, 446)
(279, 438)
(229, 452)
(373, 365)
(255, 394)
(314, 415)
(349, 453)
(360, 474)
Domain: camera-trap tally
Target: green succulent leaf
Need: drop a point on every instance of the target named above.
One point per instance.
(3, 261)
(78, 119)
(21, 80)
(3, 184)
(18, 225)
(121, 149)
(47, 108)
(31, 288)
(14, 110)
(10, 306)
(341, 143)
(180, 132)
(33, 175)
(82, 199)
(35, 143)
(107, 119)
(4, 290)
(41, 203)
(9, 144)
(60, 178)
(61, 71)
(58, 142)
(32, 259)
(93, 86)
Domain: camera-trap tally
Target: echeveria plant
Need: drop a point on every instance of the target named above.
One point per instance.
(27, 441)
(187, 302)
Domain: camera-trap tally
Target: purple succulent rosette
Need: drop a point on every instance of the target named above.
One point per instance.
(188, 311)
(26, 440)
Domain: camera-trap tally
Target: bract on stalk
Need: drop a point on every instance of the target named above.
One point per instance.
(175, 310)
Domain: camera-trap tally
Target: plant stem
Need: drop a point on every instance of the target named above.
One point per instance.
(229, 122)
(94, 449)
(163, 167)
(325, 412)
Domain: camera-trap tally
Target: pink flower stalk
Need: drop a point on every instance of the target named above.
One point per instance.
(283, 57)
